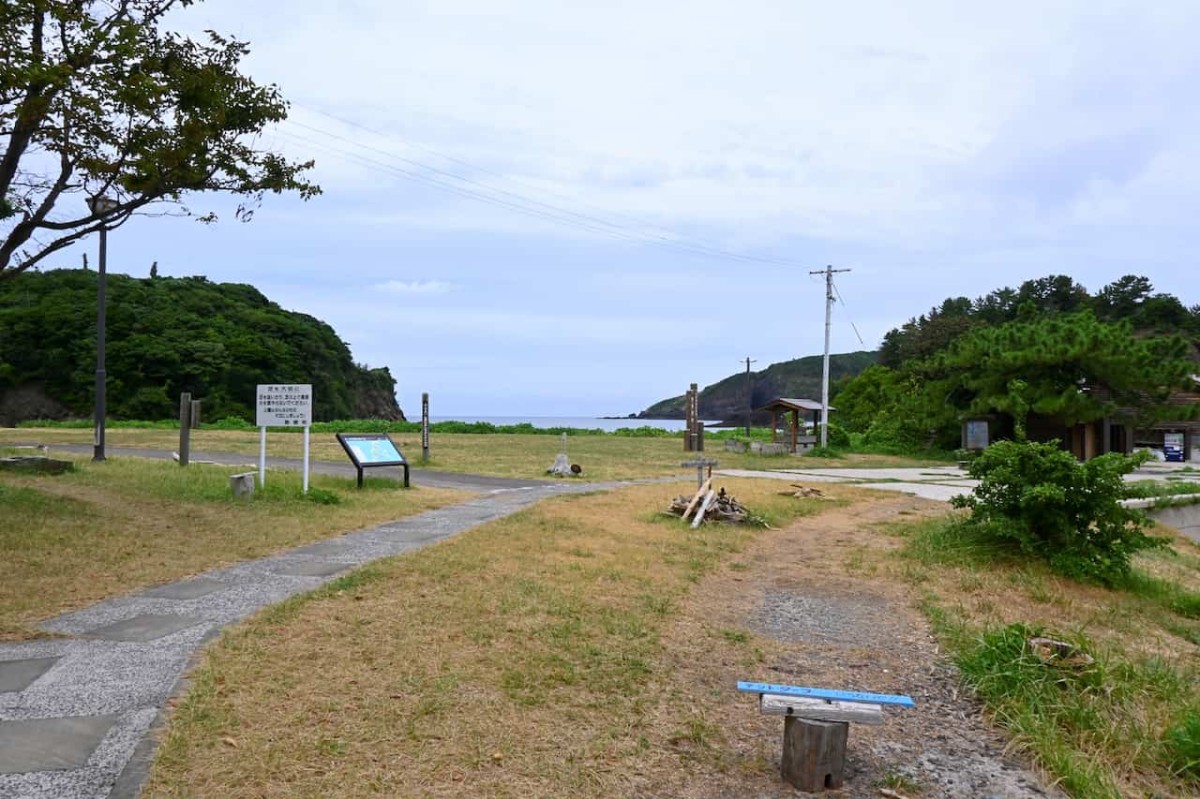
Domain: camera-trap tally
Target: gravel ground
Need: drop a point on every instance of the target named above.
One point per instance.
(821, 615)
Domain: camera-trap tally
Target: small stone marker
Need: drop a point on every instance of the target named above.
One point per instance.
(562, 465)
(242, 484)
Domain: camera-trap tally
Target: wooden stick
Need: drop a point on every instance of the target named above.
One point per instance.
(888, 792)
(703, 508)
(699, 493)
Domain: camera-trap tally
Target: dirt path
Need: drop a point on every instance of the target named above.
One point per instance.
(822, 604)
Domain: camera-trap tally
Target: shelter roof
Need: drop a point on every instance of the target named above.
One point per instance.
(793, 404)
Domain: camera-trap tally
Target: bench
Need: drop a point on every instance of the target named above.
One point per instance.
(816, 727)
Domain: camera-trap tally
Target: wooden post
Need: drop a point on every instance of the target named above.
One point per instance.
(814, 753)
(185, 427)
(195, 420)
(795, 430)
(425, 426)
(691, 411)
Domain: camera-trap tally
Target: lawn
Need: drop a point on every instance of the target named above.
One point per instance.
(602, 458)
(108, 529)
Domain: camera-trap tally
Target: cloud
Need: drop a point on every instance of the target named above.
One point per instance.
(415, 287)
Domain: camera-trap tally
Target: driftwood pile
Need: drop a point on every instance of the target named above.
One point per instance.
(709, 505)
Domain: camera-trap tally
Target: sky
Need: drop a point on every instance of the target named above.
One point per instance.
(578, 209)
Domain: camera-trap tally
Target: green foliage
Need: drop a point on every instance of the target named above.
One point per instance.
(1046, 349)
(97, 99)
(322, 496)
(1071, 714)
(1047, 505)
(1072, 368)
(171, 335)
(1182, 744)
(823, 452)
(836, 436)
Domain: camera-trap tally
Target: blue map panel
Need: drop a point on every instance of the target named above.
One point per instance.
(370, 451)
(825, 693)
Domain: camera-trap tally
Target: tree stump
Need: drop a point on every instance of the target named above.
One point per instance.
(814, 753)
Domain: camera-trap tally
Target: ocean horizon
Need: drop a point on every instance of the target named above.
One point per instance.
(583, 422)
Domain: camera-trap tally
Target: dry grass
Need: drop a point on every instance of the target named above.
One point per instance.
(108, 529)
(523, 658)
(602, 457)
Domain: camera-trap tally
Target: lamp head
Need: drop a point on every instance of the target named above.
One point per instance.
(101, 205)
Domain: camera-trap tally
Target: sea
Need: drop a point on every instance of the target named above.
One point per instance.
(583, 422)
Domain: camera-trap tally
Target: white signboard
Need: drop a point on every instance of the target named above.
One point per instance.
(284, 405)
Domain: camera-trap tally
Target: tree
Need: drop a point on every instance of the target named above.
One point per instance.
(1071, 367)
(96, 100)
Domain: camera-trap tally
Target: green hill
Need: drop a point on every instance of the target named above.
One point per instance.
(166, 336)
(801, 377)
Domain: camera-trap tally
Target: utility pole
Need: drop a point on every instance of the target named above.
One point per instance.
(749, 396)
(828, 272)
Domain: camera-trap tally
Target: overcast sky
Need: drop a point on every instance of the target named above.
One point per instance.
(554, 208)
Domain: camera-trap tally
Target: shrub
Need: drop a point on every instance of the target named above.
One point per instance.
(1044, 503)
(837, 436)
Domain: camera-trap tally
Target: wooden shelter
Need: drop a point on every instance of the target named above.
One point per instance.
(787, 405)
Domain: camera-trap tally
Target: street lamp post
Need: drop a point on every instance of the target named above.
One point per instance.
(101, 205)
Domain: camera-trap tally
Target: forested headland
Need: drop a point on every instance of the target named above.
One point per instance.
(217, 341)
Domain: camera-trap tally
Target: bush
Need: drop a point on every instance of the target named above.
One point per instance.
(1041, 501)
(836, 436)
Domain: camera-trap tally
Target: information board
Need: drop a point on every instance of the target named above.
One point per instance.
(284, 405)
(372, 449)
(976, 434)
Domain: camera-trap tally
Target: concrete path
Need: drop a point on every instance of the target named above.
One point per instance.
(933, 482)
(75, 712)
(939, 483)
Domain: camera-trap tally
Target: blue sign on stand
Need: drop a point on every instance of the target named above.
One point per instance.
(372, 449)
(1173, 447)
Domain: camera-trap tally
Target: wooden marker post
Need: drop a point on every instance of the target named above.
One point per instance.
(814, 753)
(185, 427)
(425, 426)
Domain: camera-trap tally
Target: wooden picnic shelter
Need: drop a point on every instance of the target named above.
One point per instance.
(793, 406)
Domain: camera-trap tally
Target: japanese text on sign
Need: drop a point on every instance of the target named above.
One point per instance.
(284, 405)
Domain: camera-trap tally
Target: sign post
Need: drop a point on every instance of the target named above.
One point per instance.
(282, 405)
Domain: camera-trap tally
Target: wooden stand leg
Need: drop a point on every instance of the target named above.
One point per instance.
(814, 753)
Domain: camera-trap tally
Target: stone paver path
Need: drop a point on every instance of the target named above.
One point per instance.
(75, 711)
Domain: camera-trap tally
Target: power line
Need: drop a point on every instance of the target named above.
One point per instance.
(519, 202)
(848, 319)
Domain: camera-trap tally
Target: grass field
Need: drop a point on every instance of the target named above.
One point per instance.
(519, 659)
(602, 458)
(526, 657)
(108, 529)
